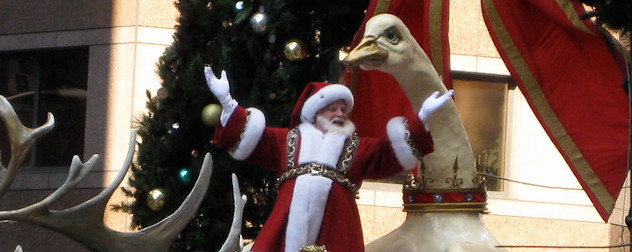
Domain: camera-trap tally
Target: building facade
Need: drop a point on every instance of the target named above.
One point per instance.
(108, 50)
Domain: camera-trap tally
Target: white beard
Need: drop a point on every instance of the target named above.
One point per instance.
(347, 128)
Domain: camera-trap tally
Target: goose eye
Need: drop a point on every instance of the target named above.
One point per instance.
(391, 36)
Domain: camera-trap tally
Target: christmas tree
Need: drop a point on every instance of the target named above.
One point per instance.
(270, 50)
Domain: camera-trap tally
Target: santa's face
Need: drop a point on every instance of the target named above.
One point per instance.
(334, 112)
(333, 118)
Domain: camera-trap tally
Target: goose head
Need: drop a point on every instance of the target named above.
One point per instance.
(387, 45)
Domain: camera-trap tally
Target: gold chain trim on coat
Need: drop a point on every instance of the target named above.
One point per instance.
(242, 134)
(410, 142)
(313, 248)
(292, 136)
(350, 148)
(338, 175)
(319, 170)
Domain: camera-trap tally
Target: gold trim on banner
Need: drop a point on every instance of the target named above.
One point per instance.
(544, 109)
(435, 26)
(568, 8)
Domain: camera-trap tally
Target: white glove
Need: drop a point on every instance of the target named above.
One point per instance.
(219, 87)
(434, 102)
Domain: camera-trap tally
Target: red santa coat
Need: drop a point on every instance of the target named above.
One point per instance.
(247, 138)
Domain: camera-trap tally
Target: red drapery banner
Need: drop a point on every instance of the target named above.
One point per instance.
(571, 78)
(373, 90)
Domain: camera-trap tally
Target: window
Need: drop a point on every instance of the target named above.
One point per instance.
(481, 101)
(38, 82)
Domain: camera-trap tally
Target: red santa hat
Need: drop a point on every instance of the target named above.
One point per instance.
(315, 97)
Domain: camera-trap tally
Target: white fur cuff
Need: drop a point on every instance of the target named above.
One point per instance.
(396, 130)
(255, 124)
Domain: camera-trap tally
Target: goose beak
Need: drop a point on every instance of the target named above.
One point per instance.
(367, 53)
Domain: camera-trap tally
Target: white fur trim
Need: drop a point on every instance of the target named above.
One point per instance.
(319, 148)
(252, 133)
(310, 195)
(324, 97)
(311, 138)
(396, 131)
(307, 209)
(331, 148)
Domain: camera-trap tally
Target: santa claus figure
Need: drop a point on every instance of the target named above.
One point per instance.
(320, 162)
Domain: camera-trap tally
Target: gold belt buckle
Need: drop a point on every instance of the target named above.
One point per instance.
(315, 170)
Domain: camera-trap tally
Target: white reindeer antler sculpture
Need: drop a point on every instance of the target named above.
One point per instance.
(233, 241)
(21, 138)
(84, 222)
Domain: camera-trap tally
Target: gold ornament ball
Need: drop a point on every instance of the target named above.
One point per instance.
(162, 93)
(294, 50)
(210, 114)
(156, 199)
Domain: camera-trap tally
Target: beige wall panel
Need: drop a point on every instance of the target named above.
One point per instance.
(109, 106)
(116, 220)
(125, 12)
(379, 221)
(26, 16)
(619, 235)
(546, 232)
(468, 34)
(146, 77)
(26, 41)
(622, 205)
(154, 13)
(30, 16)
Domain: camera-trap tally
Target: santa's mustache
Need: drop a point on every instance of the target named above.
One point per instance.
(338, 121)
(337, 124)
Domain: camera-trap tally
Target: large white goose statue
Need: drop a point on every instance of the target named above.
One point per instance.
(444, 203)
